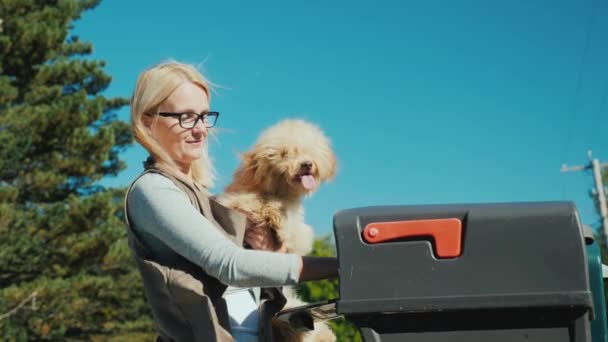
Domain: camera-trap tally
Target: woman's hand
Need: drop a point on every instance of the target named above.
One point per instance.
(260, 237)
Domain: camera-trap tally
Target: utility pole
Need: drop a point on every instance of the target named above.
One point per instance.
(596, 167)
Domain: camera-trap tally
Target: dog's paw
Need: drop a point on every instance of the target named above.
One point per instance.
(271, 215)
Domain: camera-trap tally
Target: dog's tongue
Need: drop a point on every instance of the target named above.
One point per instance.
(308, 182)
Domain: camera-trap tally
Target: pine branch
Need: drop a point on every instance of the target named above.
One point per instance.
(16, 277)
(31, 297)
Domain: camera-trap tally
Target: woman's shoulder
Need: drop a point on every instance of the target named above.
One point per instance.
(151, 179)
(150, 184)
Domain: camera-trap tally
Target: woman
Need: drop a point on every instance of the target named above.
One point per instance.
(187, 247)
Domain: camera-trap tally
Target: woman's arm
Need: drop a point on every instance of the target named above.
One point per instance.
(317, 268)
(310, 268)
(157, 207)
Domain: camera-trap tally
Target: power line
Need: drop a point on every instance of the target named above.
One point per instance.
(579, 81)
(595, 120)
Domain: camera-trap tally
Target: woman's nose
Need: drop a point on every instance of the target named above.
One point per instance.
(200, 126)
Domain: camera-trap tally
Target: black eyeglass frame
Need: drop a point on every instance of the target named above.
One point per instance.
(200, 116)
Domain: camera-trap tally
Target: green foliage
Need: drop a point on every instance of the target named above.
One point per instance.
(316, 291)
(65, 268)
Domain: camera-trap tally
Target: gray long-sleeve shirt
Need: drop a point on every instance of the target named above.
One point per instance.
(169, 225)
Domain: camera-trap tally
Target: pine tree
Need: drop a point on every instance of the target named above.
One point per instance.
(65, 268)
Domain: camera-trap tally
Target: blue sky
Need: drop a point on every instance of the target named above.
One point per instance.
(425, 101)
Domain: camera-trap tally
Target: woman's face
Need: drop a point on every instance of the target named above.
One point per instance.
(183, 145)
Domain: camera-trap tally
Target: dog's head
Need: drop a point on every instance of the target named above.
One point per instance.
(291, 158)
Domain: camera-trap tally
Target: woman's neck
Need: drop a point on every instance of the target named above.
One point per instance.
(185, 170)
(179, 169)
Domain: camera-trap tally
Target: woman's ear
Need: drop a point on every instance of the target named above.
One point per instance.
(148, 123)
(147, 120)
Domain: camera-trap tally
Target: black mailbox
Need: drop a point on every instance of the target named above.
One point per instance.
(479, 272)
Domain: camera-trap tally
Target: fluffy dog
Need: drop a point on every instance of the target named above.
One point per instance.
(288, 161)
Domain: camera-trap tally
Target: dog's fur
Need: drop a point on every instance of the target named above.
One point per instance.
(269, 186)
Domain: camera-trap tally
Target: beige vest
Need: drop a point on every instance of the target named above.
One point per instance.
(186, 302)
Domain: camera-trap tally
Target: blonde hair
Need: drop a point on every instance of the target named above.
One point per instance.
(153, 87)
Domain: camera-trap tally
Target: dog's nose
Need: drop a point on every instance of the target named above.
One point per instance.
(306, 165)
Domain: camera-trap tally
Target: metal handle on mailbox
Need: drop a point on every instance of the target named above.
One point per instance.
(446, 233)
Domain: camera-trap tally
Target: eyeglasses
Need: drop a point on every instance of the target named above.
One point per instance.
(189, 120)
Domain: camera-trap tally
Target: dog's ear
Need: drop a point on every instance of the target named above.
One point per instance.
(244, 174)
